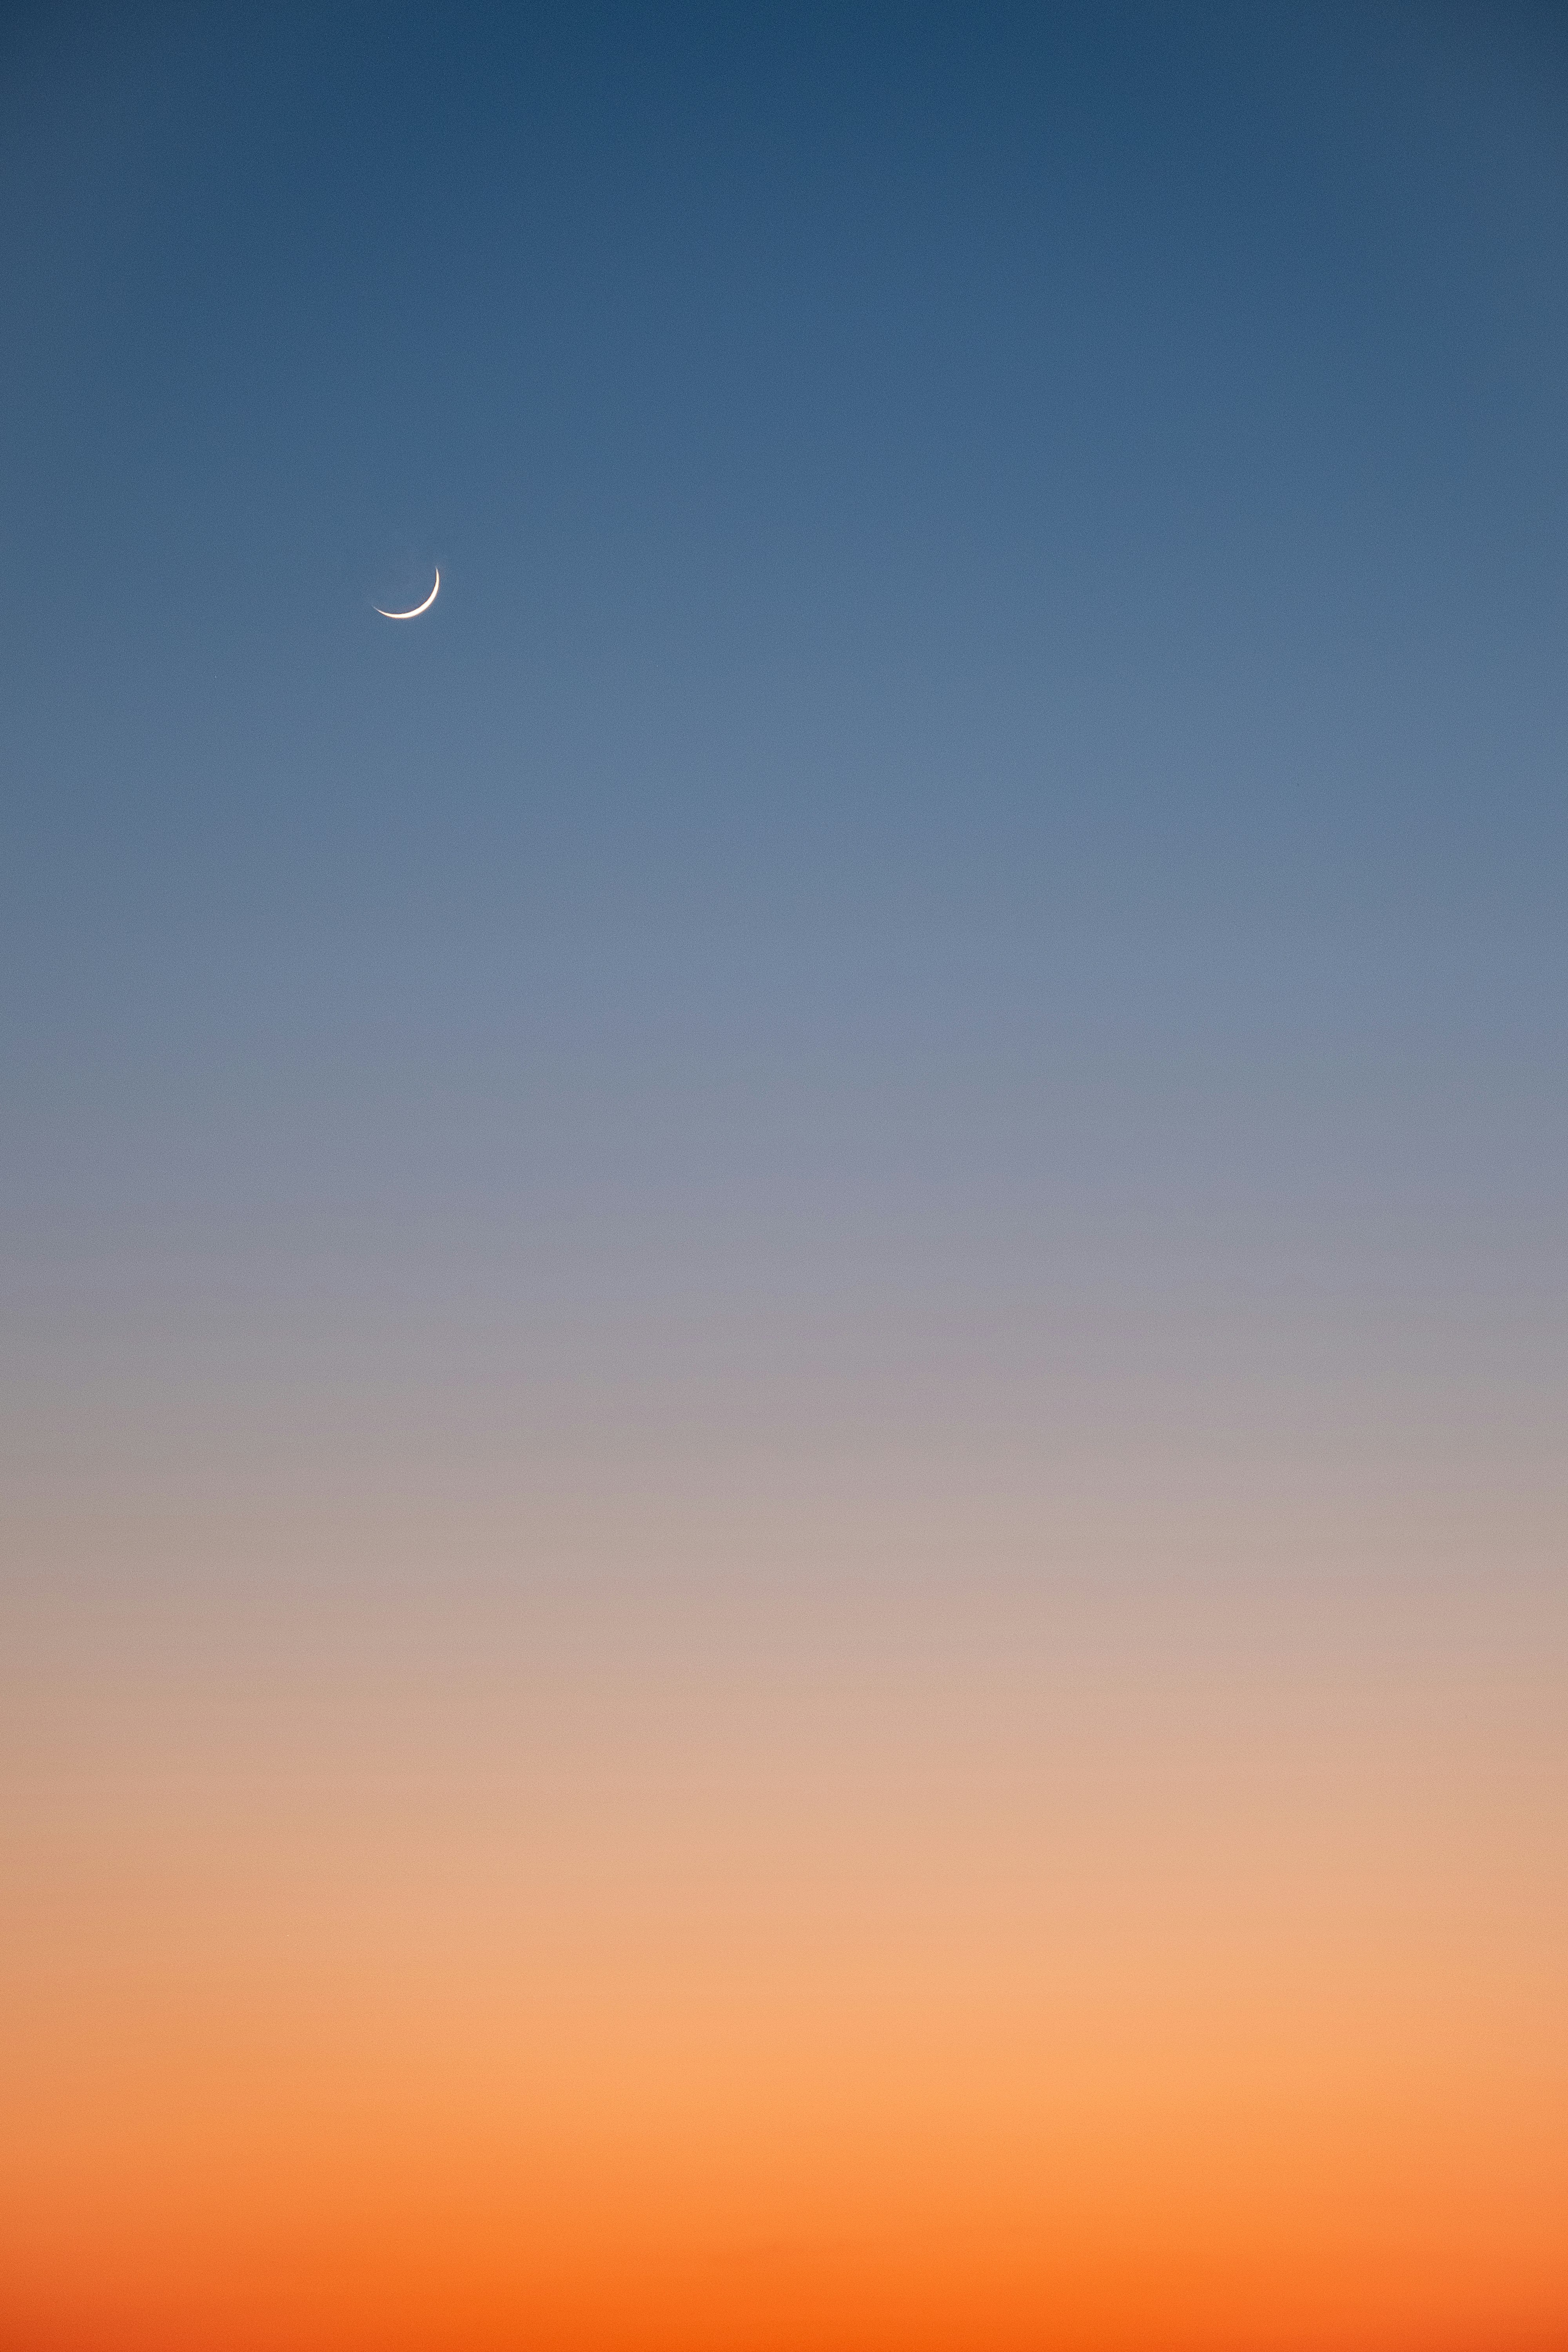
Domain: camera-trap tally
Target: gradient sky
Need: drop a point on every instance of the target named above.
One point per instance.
(783, 1338)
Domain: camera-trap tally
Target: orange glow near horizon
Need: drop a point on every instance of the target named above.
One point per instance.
(875, 1972)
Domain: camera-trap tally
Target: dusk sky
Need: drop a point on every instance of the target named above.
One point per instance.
(784, 1312)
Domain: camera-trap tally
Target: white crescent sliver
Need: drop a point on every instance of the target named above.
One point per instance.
(414, 615)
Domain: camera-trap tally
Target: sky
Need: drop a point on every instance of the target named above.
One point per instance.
(783, 1311)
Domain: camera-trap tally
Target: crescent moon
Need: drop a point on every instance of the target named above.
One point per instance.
(414, 615)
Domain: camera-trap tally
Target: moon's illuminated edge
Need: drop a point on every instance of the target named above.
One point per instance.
(414, 615)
